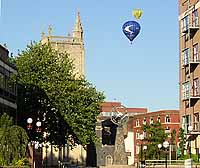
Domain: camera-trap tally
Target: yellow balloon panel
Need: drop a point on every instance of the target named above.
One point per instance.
(137, 13)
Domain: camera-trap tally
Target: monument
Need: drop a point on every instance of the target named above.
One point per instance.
(112, 131)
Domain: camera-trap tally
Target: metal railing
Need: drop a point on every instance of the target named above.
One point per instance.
(155, 163)
(192, 24)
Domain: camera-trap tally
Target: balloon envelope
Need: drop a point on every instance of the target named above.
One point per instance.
(137, 13)
(131, 29)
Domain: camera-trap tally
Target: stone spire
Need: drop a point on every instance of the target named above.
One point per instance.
(78, 29)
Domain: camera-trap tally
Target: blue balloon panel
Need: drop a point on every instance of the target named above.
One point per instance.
(131, 29)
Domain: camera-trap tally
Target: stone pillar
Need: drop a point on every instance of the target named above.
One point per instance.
(120, 156)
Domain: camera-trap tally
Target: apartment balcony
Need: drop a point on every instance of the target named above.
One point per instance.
(192, 62)
(192, 27)
(191, 98)
(195, 129)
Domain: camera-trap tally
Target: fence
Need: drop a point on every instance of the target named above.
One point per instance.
(170, 164)
(162, 163)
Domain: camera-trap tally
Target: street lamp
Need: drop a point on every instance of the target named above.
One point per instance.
(166, 145)
(33, 143)
(145, 149)
(159, 147)
(141, 138)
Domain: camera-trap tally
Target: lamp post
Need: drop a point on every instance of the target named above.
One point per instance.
(159, 147)
(145, 150)
(166, 145)
(33, 143)
(141, 138)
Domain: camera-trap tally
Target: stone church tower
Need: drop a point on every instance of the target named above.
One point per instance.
(72, 44)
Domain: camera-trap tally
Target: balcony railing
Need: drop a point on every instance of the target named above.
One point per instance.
(196, 127)
(191, 60)
(192, 26)
(191, 95)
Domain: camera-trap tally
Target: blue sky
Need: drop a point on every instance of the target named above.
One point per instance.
(144, 74)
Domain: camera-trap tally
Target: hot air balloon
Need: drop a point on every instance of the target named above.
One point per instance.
(131, 29)
(137, 13)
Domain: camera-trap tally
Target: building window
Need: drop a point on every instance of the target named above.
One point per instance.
(185, 23)
(167, 119)
(137, 149)
(168, 131)
(196, 87)
(186, 122)
(137, 135)
(151, 120)
(145, 134)
(186, 56)
(137, 123)
(195, 53)
(195, 20)
(186, 90)
(158, 119)
(1, 80)
(144, 121)
(196, 122)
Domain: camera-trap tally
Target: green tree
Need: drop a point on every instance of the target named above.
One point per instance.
(68, 105)
(173, 137)
(13, 141)
(182, 141)
(155, 134)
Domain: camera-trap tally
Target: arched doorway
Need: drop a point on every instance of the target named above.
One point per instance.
(109, 160)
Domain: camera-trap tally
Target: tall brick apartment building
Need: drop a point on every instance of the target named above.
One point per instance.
(189, 68)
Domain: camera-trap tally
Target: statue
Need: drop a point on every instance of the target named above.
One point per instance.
(120, 118)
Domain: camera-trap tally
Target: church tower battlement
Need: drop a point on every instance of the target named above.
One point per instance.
(72, 44)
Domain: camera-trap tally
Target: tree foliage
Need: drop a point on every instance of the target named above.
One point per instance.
(51, 92)
(182, 141)
(155, 134)
(173, 137)
(13, 141)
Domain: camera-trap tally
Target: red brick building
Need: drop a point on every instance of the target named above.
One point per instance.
(169, 119)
